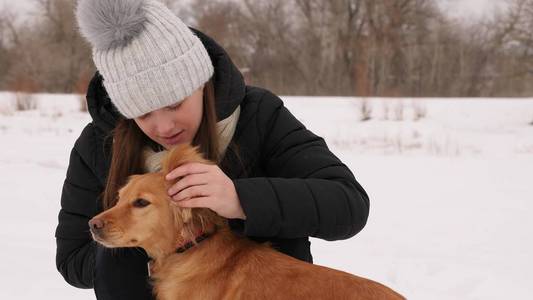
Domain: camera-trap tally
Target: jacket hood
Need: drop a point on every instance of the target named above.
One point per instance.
(227, 80)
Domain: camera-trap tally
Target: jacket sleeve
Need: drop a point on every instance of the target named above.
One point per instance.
(308, 191)
(75, 253)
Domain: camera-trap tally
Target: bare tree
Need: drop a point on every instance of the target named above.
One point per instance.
(50, 54)
(306, 47)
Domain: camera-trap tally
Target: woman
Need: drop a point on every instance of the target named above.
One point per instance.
(160, 83)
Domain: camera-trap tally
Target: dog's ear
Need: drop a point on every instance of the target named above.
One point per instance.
(182, 216)
(183, 223)
(182, 153)
(188, 222)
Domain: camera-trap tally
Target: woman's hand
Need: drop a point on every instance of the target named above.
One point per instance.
(203, 185)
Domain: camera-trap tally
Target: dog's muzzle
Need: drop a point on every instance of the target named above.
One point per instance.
(96, 226)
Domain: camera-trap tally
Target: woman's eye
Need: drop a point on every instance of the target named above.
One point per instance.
(141, 203)
(175, 106)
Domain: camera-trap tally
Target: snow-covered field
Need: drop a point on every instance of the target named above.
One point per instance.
(451, 194)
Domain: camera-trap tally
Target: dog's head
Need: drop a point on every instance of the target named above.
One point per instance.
(145, 216)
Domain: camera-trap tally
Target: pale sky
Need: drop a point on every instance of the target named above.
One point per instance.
(471, 8)
(461, 8)
(19, 5)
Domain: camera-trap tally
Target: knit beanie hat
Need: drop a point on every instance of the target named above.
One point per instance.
(146, 55)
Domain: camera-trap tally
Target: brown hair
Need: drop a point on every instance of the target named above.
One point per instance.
(129, 140)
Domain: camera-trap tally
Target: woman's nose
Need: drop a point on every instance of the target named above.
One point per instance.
(165, 128)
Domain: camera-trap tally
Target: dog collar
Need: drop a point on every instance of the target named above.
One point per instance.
(183, 248)
(190, 244)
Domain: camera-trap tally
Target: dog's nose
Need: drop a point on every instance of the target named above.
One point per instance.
(96, 224)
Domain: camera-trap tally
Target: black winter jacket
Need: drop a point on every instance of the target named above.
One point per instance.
(289, 184)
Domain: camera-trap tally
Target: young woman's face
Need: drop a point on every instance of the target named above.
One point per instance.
(175, 124)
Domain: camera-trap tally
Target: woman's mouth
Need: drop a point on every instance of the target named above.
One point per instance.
(174, 139)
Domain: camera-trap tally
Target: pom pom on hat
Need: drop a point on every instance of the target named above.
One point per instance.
(110, 23)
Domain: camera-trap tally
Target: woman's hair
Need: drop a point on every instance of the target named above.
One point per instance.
(129, 140)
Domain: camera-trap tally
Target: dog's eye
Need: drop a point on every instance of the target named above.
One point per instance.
(141, 203)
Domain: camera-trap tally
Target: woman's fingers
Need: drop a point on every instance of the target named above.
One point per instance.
(187, 181)
(186, 169)
(191, 192)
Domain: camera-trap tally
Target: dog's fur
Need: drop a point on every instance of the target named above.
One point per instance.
(224, 266)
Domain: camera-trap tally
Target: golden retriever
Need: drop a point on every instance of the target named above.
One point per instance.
(223, 265)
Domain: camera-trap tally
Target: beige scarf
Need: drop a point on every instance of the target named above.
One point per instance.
(225, 130)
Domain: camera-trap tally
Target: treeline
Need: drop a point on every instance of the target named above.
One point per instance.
(307, 47)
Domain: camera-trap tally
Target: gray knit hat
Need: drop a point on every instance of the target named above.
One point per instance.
(147, 56)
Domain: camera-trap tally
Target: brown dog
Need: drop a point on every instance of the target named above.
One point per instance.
(223, 265)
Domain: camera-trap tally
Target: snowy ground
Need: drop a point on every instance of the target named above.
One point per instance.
(450, 216)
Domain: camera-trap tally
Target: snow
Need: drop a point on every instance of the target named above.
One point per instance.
(450, 194)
